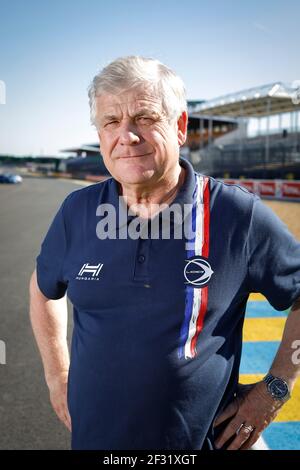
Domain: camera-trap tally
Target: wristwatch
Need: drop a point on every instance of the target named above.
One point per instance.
(277, 387)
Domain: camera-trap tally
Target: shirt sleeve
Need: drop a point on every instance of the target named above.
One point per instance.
(49, 263)
(273, 258)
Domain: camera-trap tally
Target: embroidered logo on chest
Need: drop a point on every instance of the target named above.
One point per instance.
(89, 272)
(197, 271)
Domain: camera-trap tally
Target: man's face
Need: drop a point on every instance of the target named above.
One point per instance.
(138, 143)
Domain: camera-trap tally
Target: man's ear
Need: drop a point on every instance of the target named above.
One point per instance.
(182, 123)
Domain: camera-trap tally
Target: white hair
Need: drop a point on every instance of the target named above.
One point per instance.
(132, 71)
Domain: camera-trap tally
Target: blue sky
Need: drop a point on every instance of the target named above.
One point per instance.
(50, 50)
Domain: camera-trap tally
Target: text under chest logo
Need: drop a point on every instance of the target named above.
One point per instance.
(89, 272)
(197, 271)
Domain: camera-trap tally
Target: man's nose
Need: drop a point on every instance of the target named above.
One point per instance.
(129, 134)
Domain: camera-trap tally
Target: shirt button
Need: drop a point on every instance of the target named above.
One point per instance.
(141, 258)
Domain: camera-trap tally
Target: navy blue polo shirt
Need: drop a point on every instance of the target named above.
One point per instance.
(158, 321)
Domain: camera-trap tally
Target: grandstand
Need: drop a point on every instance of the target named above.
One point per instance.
(271, 153)
(87, 160)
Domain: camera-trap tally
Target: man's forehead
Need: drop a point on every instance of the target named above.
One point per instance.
(133, 100)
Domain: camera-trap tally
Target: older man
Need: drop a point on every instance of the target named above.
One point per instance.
(158, 319)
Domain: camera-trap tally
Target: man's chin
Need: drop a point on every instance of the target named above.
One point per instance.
(135, 174)
(136, 177)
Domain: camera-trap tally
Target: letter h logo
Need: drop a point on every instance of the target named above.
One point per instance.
(93, 270)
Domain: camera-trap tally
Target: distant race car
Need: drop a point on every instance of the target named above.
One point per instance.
(10, 178)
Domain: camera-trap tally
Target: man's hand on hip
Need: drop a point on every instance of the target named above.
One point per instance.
(252, 410)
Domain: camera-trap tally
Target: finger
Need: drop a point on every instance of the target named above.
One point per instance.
(57, 410)
(60, 411)
(67, 423)
(229, 411)
(242, 438)
(65, 416)
(251, 441)
(68, 419)
(64, 419)
(228, 432)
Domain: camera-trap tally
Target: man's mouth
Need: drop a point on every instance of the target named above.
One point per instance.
(135, 156)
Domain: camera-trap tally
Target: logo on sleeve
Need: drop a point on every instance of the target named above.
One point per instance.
(197, 271)
(89, 272)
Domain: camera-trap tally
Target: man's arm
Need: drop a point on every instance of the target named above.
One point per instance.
(283, 365)
(255, 406)
(49, 323)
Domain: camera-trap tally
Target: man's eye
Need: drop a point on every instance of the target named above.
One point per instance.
(145, 120)
(111, 123)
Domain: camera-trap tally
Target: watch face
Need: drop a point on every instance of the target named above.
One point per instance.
(278, 389)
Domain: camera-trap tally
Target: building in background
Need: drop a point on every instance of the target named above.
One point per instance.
(87, 160)
(265, 143)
